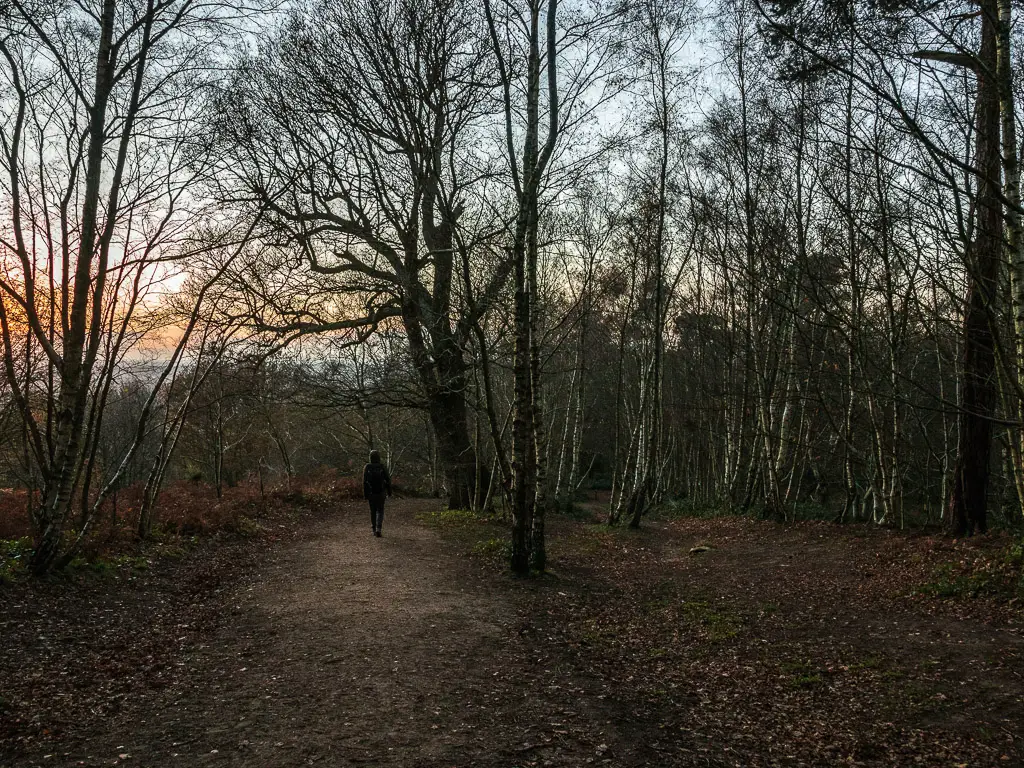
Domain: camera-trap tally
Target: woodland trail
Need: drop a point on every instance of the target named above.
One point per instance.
(802, 645)
(349, 650)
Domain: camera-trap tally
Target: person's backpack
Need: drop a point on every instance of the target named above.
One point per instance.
(376, 477)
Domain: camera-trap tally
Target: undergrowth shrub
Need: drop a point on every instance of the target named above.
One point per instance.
(186, 511)
(452, 517)
(14, 522)
(997, 575)
(675, 509)
(14, 556)
(494, 548)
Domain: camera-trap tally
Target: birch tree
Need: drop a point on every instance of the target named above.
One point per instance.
(101, 150)
(548, 73)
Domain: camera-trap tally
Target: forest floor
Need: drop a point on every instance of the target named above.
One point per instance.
(721, 642)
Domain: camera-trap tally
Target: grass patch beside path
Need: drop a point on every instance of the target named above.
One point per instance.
(980, 574)
(449, 518)
(478, 534)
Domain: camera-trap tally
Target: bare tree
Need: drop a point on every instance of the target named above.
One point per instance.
(541, 105)
(101, 147)
(364, 169)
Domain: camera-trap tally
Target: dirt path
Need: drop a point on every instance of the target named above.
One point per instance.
(350, 650)
(343, 649)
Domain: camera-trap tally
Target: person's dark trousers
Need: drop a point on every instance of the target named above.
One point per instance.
(376, 510)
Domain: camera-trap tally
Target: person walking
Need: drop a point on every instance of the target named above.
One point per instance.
(376, 487)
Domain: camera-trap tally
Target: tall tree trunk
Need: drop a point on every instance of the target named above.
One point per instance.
(443, 376)
(524, 454)
(528, 170)
(1014, 236)
(76, 368)
(969, 495)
